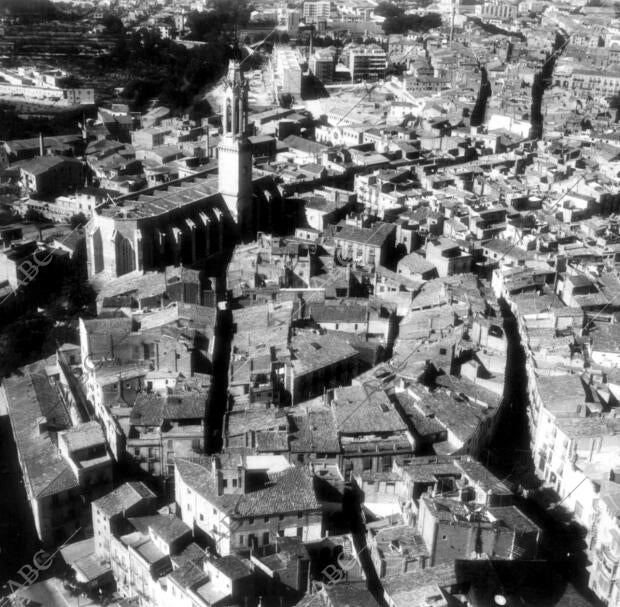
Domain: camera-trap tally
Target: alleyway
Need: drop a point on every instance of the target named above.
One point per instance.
(510, 459)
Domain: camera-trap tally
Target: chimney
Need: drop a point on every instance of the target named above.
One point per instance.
(41, 145)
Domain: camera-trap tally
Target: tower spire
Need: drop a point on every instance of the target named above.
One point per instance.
(234, 150)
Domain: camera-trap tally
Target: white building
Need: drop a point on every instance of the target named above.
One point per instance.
(43, 87)
(316, 10)
(215, 495)
(365, 61)
(288, 70)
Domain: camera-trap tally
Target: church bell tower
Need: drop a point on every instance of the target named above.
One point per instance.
(234, 149)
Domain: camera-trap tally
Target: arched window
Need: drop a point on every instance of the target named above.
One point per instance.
(125, 260)
(228, 116)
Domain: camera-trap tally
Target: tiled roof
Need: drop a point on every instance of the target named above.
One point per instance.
(458, 415)
(83, 436)
(154, 409)
(427, 469)
(416, 263)
(347, 594)
(192, 552)
(463, 386)
(375, 236)
(168, 528)
(289, 491)
(271, 441)
(65, 481)
(42, 164)
(365, 410)
(314, 433)
(514, 519)
(422, 424)
(123, 498)
(30, 398)
(232, 566)
(312, 351)
(441, 575)
(189, 575)
(161, 201)
(304, 145)
(355, 313)
(561, 393)
(481, 477)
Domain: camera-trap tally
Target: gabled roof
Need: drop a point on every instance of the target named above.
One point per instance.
(375, 236)
(365, 410)
(291, 490)
(168, 528)
(42, 164)
(232, 567)
(123, 498)
(304, 145)
(34, 408)
(154, 409)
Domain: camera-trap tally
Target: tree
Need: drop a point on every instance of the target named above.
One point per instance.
(286, 100)
(78, 220)
(113, 24)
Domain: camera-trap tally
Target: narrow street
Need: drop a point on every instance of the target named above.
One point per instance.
(563, 543)
(219, 394)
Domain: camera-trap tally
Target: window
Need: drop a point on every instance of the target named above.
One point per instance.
(241, 539)
(300, 514)
(202, 516)
(225, 483)
(234, 482)
(265, 538)
(251, 520)
(300, 532)
(266, 519)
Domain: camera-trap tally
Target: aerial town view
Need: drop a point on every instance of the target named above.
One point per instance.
(309, 303)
